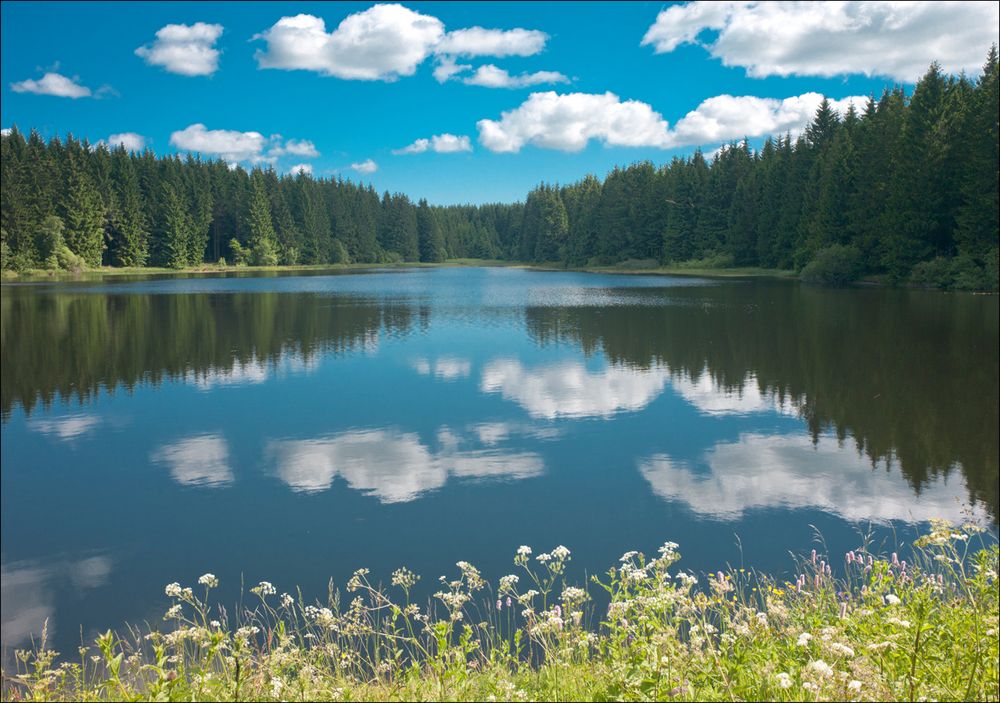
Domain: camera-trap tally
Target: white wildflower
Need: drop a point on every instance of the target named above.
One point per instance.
(173, 590)
(208, 580)
(784, 680)
(804, 639)
(820, 667)
(892, 599)
(842, 649)
(854, 686)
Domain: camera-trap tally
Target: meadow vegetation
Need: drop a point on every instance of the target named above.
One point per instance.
(865, 627)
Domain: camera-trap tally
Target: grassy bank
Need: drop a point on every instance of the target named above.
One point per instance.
(873, 627)
(41, 275)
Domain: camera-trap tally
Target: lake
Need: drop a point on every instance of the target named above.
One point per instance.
(295, 428)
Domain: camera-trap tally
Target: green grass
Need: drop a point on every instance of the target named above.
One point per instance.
(35, 275)
(874, 629)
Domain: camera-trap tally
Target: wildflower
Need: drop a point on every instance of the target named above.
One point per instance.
(499, 604)
(208, 580)
(842, 649)
(784, 680)
(356, 580)
(524, 551)
(820, 667)
(507, 583)
(173, 590)
(572, 594)
(543, 557)
(404, 578)
(264, 588)
(216, 624)
(173, 613)
(804, 639)
(628, 555)
(286, 600)
(892, 599)
(854, 686)
(561, 553)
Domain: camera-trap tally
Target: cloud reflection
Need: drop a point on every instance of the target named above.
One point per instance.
(568, 389)
(202, 460)
(65, 428)
(390, 465)
(712, 398)
(782, 471)
(446, 368)
(27, 594)
(251, 372)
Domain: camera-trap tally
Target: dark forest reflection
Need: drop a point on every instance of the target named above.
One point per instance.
(72, 345)
(910, 376)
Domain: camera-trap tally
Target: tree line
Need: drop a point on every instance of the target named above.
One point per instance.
(905, 188)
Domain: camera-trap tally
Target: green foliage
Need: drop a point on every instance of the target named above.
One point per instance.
(905, 181)
(835, 265)
(241, 255)
(338, 253)
(918, 626)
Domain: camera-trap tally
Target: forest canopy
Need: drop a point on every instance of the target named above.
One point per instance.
(905, 188)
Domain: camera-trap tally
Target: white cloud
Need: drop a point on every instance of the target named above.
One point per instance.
(570, 390)
(490, 76)
(568, 122)
(132, 141)
(53, 84)
(894, 39)
(367, 166)
(387, 41)
(393, 466)
(185, 49)
(448, 67)
(780, 471)
(295, 170)
(440, 143)
(383, 42)
(295, 147)
(65, 428)
(477, 41)
(226, 144)
(446, 368)
(711, 398)
(197, 461)
(727, 117)
(5, 131)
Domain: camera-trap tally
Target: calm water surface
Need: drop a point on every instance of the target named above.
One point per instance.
(295, 428)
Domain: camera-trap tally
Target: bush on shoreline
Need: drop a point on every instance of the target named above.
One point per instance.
(885, 630)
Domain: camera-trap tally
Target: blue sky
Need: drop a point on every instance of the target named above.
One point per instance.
(350, 93)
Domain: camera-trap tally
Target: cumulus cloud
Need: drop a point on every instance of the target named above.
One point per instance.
(53, 84)
(188, 50)
(570, 390)
(367, 166)
(201, 460)
(728, 117)
(132, 141)
(447, 67)
(712, 398)
(894, 39)
(386, 42)
(65, 428)
(296, 147)
(392, 466)
(306, 169)
(225, 143)
(383, 42)
(440, 143)
(447, 368)
(790, 472)
(477, 41)
(5, 131)
(569, 121)
(490, 76)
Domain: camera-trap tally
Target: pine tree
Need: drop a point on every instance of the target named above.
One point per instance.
(83, 214)
(263, 244)
(429, 234)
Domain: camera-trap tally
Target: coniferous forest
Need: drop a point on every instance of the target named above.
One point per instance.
(905, 189)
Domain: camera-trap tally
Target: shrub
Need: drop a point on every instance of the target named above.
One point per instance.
(835, 265)
(338, 253)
